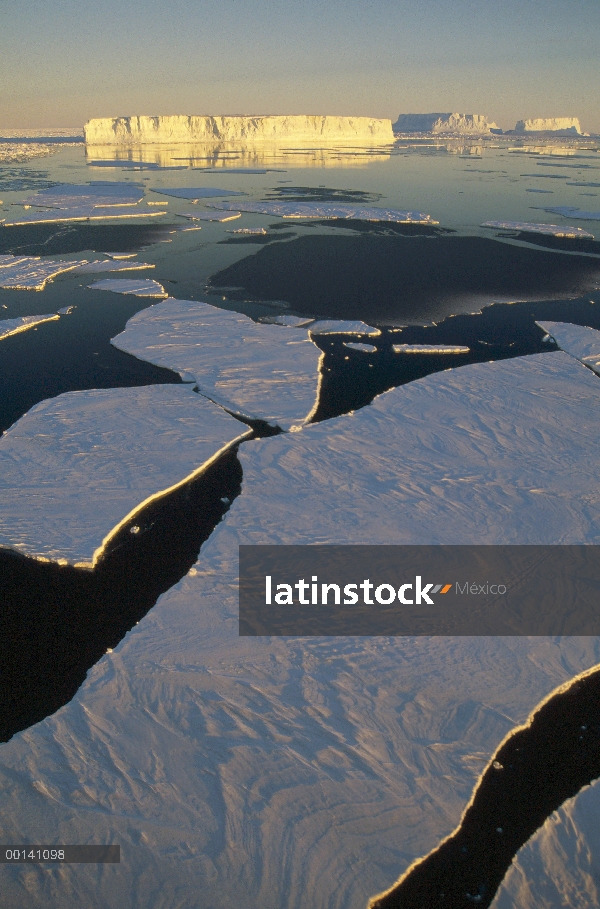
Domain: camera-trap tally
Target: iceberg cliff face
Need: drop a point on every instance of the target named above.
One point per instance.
(560, 125)
(178, 129)
(457, 124)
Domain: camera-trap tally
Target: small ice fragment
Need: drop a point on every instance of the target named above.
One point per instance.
(429, 349)
(143, 287)
(553, 230)
(334, 327)
(248, 230)
(211, 216)
(134, 529)
(225, 500)
(497, 765)
(66, 310)
(356, 345)
(10, 327)
(194, 194)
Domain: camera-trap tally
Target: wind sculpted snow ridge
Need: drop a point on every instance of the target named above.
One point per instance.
(257, 371)
(9, 327)
(311, 772)
(78, 467)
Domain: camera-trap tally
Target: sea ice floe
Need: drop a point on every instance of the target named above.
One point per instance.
(322, 210)
(579, 341)
(111, 265)
(80, 213)
(32, 272)
(265, 372)
(315, 770)
(430, 349)
(95, 194)
(77, 466)
(290, 321)
(10, 327)
(143, 287)
(576, 213)
(356, 345)
(334, 327)
(210, 215)
(553, 230)
(195, 194)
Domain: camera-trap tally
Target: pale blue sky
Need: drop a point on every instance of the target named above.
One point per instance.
(63, 62)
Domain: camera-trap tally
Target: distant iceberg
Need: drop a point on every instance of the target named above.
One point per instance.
(453, 124)
(558, 126)
(246, 130)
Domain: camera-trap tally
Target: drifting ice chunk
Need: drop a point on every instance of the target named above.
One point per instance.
(32, 272)
(82, 213)
(195, 194)
(429, 349)
(356, 345)
(334, 327)
(211, 215)
(72, 195)
(258, 231)
(553, 230)
(290, 321)
(579, 341)
(77, 466)
(317, 749)
(265, 372)
(316, 210)
(111, 265)
(10, 327)
(577, 213)
(144, 287)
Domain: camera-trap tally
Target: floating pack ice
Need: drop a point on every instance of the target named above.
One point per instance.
(31, 272)
(337, 327)
(78, 466)
(196, 194)
(143, 287)
(356, 345)
(10, 327)
(210, 215)
(577, 213)
(429, 349)
(80, 213)
(553, 230)
(111, 265)
(95, 194)
(325, 211)
(475, 455)
(579, 341)
(265, 372)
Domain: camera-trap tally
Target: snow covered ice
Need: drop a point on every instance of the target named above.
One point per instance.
(259, 371)
(34, 272)
(577, 213)
(326, 211)
(196, 194)
(311, 772)
(340, 326)
(143, 287)
(76, 466)
(79, 213)
(553, 230)
(10, 327)
(96, 194)
(579, 341)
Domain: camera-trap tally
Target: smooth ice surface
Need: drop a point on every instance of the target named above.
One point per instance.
(74, 195)
(266, 372)
(553, 230)
(210, 215)
(10, 327)
(334, 326)
(196, 194)
(560, 865)
(579, 341)
(429, 349)
(311, 772)
(79, 213)
(142, 287)
(577, 213)
(32, 272)
(75, 466)
(324, 210)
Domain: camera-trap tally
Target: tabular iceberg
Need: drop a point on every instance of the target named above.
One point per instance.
(553, 125)
(246, 130)
(454, 124)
